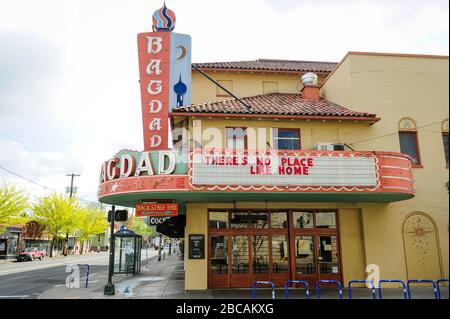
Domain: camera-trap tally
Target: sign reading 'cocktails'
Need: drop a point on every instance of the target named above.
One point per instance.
(283, 170)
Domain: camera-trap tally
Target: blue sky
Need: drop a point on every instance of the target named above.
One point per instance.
(69, 72)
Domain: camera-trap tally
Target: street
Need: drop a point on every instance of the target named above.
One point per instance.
(29, 279)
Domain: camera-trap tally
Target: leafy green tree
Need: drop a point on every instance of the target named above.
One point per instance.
(92, 222)
(71, 226)
(139, 226)
(13, 206)
(56, 212)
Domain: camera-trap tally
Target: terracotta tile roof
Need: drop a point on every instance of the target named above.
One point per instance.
(275, 104)
(272, 65)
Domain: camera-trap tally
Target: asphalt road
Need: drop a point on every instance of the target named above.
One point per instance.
(31, 278)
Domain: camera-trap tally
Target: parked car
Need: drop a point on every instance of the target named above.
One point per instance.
(30, 253)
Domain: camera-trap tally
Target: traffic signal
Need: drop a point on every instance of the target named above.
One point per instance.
(119, 215)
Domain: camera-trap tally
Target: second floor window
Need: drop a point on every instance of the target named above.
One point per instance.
(409, 140)
(445, 140)
(236, 138)
(286, 139)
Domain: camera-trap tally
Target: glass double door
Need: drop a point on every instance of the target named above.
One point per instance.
(239, 260)
(302, 246)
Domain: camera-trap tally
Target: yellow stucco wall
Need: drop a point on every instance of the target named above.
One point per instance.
(211, 131)
(196, 270)
(393, 87)
(352, 244)
(244, 84)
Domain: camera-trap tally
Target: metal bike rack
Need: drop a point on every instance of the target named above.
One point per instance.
(392, 280)
(87, 273)
(263, 283)
(338, 283)
(422, 281)
(360, 281)
(438, 286)
(286, 293)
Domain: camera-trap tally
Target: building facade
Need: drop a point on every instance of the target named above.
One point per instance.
(406, 239)
(280, 178)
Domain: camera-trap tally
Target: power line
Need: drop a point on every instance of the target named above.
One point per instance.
(27, 179)
(36, 183)
(43, 186)
(10, 137)
(396, 132)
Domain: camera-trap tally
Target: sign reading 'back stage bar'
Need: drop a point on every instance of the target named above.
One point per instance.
(283, 170)
(165, 77)
(157, 209)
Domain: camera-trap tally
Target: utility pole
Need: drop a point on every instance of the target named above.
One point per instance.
(109, 287)
(72, 176)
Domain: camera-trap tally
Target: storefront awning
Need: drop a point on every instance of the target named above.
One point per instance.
(131, 199)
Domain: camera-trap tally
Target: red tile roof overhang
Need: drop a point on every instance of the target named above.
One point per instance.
(247, 70)
(269, 66)
(275, 106)
(370, 120)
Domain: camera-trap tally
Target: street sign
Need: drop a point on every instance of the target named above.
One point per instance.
(157, 210)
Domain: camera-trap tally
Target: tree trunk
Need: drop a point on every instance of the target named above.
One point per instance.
(56, 245)
(82, 248)
(52, 246)
(66, 242)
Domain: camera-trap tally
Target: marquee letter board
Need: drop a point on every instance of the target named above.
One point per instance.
(197, 246)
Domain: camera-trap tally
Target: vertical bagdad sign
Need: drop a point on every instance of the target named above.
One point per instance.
(165, 77)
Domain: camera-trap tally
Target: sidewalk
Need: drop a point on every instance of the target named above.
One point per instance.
(159, 280)
(165, 280)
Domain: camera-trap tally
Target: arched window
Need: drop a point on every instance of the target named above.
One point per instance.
(445, 139)
(409, 142)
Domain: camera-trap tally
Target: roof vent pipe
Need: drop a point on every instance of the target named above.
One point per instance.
(309, 79)
(310, 90)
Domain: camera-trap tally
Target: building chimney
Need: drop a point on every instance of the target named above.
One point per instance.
(310, 90)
